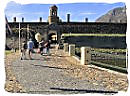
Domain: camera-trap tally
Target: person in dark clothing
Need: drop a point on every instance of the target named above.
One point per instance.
(47, 46)
(41, 46)
(23, 50)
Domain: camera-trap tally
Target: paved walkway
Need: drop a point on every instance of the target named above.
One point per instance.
(48, 74)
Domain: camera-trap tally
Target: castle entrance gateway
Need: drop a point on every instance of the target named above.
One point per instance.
(52, 36)
(53, 33)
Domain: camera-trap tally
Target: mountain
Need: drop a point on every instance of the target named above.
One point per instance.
(117, 15)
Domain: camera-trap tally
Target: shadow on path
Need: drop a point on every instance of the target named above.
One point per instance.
(49, 66)
(41, 59)
(84, 91)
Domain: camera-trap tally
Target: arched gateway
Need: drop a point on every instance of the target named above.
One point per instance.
(52, 32)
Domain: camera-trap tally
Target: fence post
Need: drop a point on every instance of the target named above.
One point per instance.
(66, 47)
(71, 49)
(85, 55)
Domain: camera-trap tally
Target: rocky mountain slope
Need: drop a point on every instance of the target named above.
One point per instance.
(117, 15)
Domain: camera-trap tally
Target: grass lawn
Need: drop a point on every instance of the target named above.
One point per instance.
(114, 62)
(116, 35)
(7, 52)
(109, 50)
(104, 50)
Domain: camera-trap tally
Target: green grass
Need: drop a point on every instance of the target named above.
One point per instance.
(114, 62)
(104, 50)
(7, 52)
(116, 35)
(109, 50)
(111, 67)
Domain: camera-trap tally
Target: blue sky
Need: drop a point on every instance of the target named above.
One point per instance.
(78, 11)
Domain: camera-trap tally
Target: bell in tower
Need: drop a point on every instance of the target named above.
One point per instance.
(53, 18)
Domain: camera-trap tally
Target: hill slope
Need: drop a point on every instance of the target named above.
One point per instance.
(117, 15)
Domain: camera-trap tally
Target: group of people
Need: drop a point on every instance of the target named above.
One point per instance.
(43, 47)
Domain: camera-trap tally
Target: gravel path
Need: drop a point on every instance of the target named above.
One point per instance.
(11, 84)
(54, 74)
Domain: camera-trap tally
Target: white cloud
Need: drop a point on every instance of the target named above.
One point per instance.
(87, 13)
(38, 13)
(15, 14)
(10, 15)
(65, 13)
(36, 20)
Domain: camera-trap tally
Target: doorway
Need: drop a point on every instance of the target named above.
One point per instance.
(53, 37)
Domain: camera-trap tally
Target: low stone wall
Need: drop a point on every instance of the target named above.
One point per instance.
(85, 54)
(73, 59)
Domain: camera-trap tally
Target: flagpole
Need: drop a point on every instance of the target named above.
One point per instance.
(19, 38)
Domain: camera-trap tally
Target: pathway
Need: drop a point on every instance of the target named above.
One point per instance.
(54, 74)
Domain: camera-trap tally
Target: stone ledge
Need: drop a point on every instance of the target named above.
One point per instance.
(72, 59)
(115, 68)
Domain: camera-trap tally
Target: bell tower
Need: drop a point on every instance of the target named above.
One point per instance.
(53, 18)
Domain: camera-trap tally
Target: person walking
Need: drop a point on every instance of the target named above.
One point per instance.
(41, 46)
(23, 50)
(30, 46)
(46, 47)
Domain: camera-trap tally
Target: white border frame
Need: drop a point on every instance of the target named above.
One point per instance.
(2, 37)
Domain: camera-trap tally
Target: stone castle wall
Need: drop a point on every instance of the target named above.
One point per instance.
(92, 27)
(97, 41)
(77, 27)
